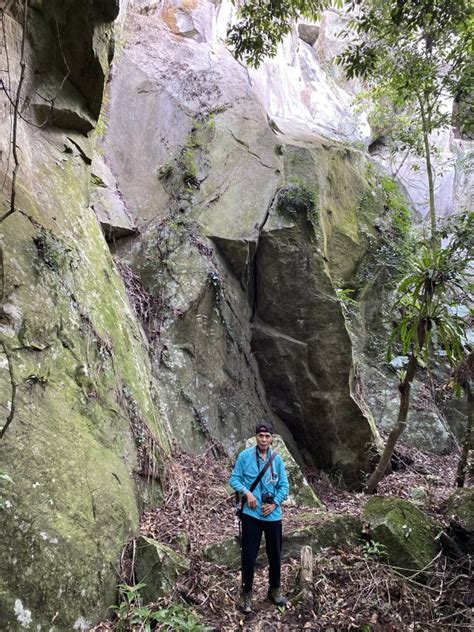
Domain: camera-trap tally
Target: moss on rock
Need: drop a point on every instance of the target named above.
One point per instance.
(74, 342)
(460, 506)
(325, 530)
(297, 199)
(409, 536)
(158, 567)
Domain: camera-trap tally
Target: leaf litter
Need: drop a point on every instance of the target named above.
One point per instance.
(351, 590)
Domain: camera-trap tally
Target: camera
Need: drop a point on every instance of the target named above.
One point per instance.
(267, 499)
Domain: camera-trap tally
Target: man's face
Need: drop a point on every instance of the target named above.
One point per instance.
(264, 440)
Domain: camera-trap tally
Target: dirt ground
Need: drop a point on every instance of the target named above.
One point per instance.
(352, 589)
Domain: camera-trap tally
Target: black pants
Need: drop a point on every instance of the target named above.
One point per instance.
(252, 530)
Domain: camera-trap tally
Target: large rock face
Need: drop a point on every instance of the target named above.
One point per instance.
(231, 223)
(299, 332)
(80, 433)
(208, 382)
(73, 46)
(240, 266)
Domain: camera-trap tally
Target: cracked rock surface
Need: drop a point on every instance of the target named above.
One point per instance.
(75, 378)
(251, 324)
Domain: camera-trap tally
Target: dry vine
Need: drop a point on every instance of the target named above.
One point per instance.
(148, 308)
(16, 110)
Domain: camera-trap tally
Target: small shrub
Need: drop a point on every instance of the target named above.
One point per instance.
(188, 166)
(297, 199)
(348, 304)
(179, 618)
(374, 549)
(165, 171)
(131, 615)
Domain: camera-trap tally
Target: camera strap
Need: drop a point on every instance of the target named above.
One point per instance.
(262, 471)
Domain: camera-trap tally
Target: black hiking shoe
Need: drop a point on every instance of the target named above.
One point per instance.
(245, 603)
(275, 595)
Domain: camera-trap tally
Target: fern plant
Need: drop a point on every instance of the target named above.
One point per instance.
(132, 615)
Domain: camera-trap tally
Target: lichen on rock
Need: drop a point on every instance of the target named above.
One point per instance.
(73, 341)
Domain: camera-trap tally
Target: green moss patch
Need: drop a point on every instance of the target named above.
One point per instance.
(408, 535)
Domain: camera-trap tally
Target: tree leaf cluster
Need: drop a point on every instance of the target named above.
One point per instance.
(427, 305)
(264, 23)
(419, 51)
(418, 55)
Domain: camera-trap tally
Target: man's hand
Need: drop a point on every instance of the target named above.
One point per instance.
(267, 509)
(251, 500)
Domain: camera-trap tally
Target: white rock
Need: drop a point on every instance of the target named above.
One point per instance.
(22, 614)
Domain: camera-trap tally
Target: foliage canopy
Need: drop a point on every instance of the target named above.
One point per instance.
(417, 55)
(264, 23)
(420, 49)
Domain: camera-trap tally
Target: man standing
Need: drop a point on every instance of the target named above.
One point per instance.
(261, 511)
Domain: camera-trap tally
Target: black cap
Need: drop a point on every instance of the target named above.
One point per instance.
(264, 426)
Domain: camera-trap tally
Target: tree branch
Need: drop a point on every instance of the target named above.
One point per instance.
(7, 59)
(16, 107)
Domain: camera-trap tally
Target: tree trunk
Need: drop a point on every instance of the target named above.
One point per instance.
(306, 571)
(404, 388)
(306, 597)
(466, 444)
(429, 172)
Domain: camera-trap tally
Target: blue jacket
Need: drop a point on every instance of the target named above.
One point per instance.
(274, 481)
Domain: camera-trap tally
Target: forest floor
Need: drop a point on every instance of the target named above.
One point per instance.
(353, 588)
